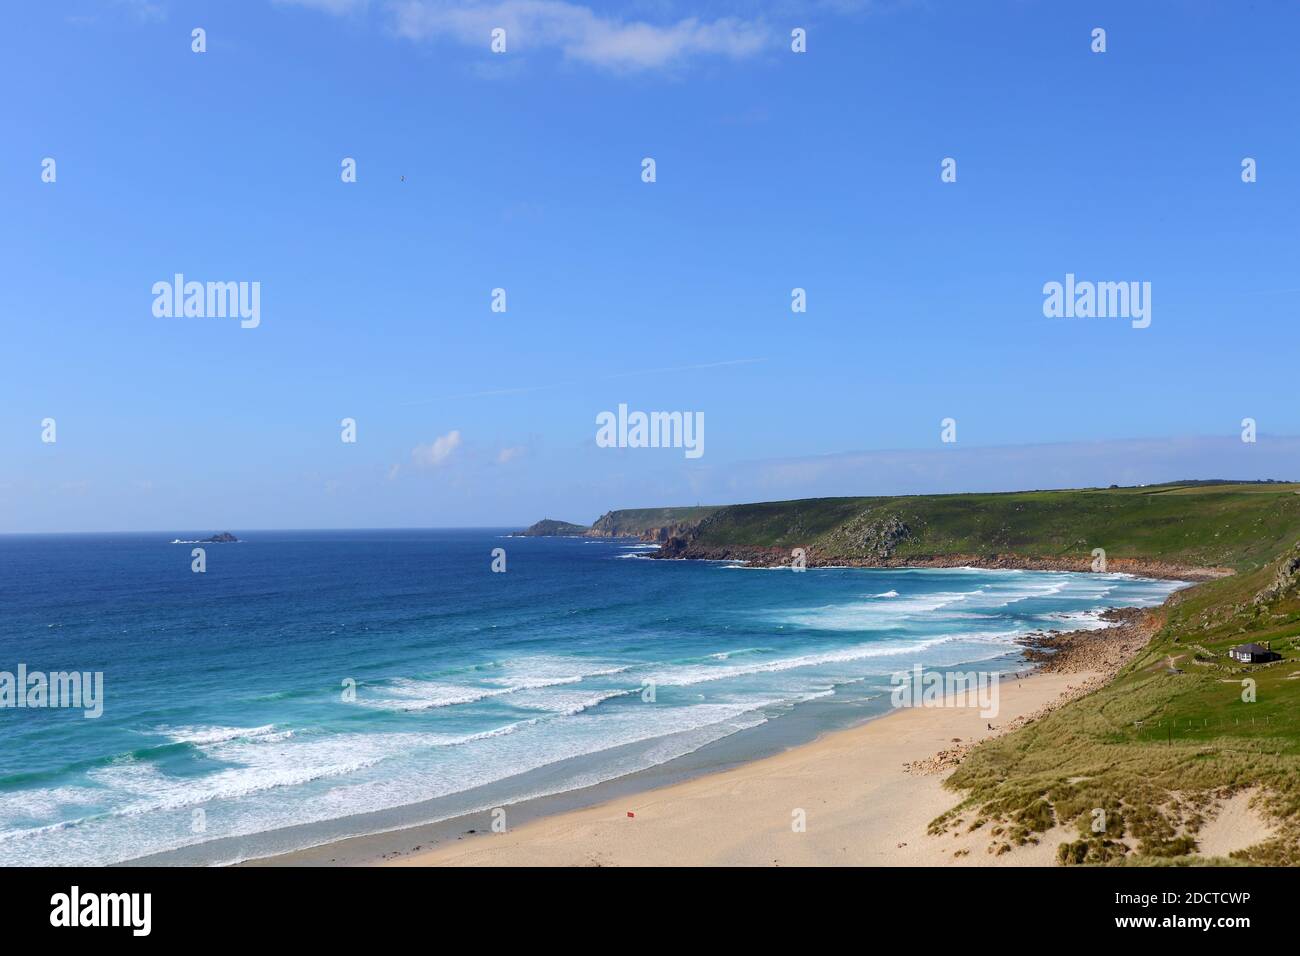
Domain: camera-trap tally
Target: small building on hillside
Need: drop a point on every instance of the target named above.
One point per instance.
(1254, 653)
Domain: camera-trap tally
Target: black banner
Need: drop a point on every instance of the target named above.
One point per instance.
(302, 905)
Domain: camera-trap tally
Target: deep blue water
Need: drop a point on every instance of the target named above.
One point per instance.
(224, 691)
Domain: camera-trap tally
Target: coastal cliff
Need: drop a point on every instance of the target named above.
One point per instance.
(1188, 531)
(648, 524)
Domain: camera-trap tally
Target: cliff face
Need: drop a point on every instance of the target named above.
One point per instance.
(649, 524)
(658, 535)
(604, 527)
(666, 533)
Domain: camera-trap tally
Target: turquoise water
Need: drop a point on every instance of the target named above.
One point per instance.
(225, 711)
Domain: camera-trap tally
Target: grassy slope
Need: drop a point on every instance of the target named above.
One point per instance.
(1172, 730)
(1169, 731)
(1238, 526)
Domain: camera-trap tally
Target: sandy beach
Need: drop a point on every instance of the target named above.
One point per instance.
(862, 802)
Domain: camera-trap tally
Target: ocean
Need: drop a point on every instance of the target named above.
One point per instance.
(312, 685)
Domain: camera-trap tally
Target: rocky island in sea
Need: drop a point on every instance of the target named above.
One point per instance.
(548, 527)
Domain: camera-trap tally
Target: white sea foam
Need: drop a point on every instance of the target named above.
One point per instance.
(508, 678)
(405, 694)
(686, 675)
(866, 615)
(212, 735)
(564, 702)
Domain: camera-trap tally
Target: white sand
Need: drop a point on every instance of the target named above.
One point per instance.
(1236, 825)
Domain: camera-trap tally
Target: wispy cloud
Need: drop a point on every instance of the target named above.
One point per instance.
(436, 452)
(432, 455)
(578, 32)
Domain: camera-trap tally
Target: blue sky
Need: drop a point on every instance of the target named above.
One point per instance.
(522, 171)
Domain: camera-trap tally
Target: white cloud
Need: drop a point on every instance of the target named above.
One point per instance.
(435, 453)
(507, 455)
(577, 31)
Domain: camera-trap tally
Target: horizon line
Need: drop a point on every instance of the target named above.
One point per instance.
(521, 526)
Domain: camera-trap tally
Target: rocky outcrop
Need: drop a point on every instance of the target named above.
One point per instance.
(870, 538)
(224, 537)
(1285, 580)
(549, 527)
(1095, 651)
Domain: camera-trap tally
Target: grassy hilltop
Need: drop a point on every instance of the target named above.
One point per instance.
(1236, 526)
(1171, 734)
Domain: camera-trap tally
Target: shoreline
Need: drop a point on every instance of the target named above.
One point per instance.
(423, 844)
(772, 557)
(896, 762)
